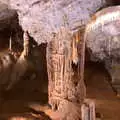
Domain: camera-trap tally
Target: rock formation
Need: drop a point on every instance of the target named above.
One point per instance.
(65, 86)
(56, 22)
(42, 17)
(102, 39)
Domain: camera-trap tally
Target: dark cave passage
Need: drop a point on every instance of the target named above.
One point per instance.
(34, 87)
(96, 74)
(4, 38)
(99, 89)
(116, 2)
(30, 94)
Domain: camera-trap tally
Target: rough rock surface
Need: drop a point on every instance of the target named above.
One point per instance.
(102, 39)
(42, 17)
(5, 1)
(7, 16)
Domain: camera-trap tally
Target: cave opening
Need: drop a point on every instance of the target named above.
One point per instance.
(34, 85)
(116, 2)
(99, 88)
(97, 79)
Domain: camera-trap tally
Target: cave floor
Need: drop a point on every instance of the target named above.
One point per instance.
(22, 104)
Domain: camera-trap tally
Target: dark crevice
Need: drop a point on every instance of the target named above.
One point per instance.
(31, 86)
(93, 68)
(115, 2)
(4, 38)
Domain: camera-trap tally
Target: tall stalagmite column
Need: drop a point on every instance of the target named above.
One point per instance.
(65, 73)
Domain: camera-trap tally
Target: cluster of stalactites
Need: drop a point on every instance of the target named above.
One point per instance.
(21, 65)
(26, 46)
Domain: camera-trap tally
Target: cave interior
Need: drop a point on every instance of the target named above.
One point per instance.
(28, 98)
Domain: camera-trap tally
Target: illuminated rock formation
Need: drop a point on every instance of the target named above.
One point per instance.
(102, 39)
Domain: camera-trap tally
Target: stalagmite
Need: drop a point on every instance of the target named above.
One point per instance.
(74, 47)
(85, 112)
(10, 44)
(88, 110)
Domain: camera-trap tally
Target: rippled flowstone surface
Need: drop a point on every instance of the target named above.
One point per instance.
(102, 39)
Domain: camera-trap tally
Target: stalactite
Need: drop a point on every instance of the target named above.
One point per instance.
(21, 65)
(10, 44)
(26, 44)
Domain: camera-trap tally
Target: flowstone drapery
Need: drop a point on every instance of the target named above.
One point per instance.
(65, 69)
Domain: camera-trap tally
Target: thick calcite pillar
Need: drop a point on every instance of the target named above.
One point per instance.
(66, 85)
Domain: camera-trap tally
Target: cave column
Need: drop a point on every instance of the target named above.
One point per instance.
(66, 85)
